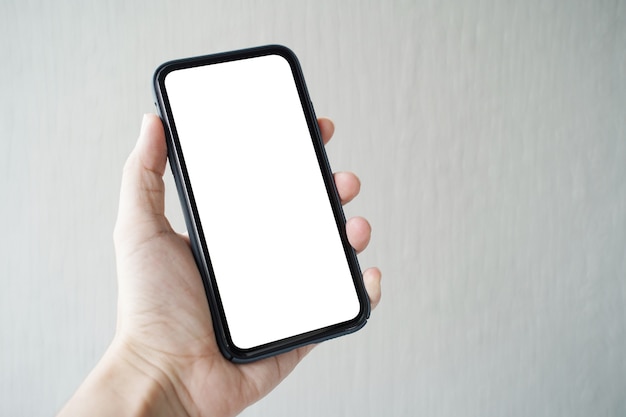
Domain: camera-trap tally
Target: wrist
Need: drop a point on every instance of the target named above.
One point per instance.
(125, 383)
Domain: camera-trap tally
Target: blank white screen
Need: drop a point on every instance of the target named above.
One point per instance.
(269, 227)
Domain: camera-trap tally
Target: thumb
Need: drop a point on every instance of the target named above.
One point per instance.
(142, 196)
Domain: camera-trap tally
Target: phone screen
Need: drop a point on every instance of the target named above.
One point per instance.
(270, 231)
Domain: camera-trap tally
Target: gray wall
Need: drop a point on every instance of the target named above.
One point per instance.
(491, 141)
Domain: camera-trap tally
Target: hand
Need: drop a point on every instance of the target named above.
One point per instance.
(164, 359)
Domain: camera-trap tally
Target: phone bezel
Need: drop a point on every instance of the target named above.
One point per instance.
(194, 227)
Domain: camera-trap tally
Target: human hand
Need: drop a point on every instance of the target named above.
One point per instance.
(164, 359)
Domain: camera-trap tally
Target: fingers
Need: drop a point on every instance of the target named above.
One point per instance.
(327, 128)
(142, 196)
(348, 186)
(151, 147)
(359, 232)
(372, 278)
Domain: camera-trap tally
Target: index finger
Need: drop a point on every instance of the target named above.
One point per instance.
(327, 128)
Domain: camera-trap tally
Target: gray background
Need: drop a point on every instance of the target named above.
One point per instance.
(491, 141)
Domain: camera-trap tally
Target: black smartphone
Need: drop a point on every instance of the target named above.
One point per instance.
(262, 211)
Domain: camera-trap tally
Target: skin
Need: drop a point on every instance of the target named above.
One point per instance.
(164, 359)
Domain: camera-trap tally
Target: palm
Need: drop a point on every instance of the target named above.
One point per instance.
(163, 310)
(170, 286)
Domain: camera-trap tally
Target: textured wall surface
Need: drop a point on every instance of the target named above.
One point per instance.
(490, 138)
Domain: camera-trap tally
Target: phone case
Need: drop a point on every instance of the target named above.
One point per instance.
(194, 227)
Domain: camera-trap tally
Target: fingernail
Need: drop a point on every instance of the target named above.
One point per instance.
(144, 122)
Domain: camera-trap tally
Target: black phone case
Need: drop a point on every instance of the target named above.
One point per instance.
(194, 227)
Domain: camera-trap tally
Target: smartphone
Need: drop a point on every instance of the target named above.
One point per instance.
(264, 218)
